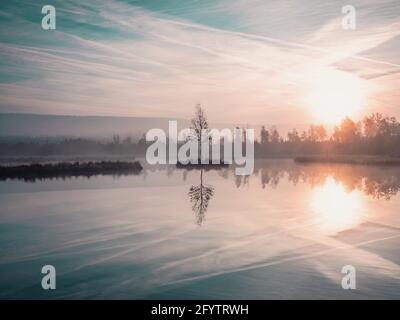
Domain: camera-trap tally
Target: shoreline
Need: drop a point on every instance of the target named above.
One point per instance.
(350, 159)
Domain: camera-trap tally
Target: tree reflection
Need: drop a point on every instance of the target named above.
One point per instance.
(374, 181)
(200, 196)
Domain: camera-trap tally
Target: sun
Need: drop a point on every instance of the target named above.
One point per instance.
(333, 95)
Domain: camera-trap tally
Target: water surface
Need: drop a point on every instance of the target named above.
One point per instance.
(284, 232)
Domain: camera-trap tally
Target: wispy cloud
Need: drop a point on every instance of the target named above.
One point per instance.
(254, 57)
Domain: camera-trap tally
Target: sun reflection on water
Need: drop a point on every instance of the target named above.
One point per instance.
(336, 209)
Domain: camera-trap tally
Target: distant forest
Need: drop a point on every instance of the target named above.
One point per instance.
(374, 135)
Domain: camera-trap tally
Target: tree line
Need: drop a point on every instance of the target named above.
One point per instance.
(375, 134)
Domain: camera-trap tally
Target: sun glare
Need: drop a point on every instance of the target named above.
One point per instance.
(334, 95)
(336, 209)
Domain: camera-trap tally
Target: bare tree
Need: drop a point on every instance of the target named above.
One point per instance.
(200, 126)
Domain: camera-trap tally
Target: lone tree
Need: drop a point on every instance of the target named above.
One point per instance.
(200, 126)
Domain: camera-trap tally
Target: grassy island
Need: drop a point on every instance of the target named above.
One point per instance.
(31, 172)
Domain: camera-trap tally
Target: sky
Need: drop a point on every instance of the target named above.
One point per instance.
(245, 61)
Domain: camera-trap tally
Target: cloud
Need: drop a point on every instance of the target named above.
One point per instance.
(236, 58)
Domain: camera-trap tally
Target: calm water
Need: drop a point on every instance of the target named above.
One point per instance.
(284, 232)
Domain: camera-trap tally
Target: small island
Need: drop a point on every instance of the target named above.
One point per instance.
(199, 165)
(31, 172)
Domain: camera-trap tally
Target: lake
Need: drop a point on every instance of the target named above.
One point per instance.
(285, 232)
